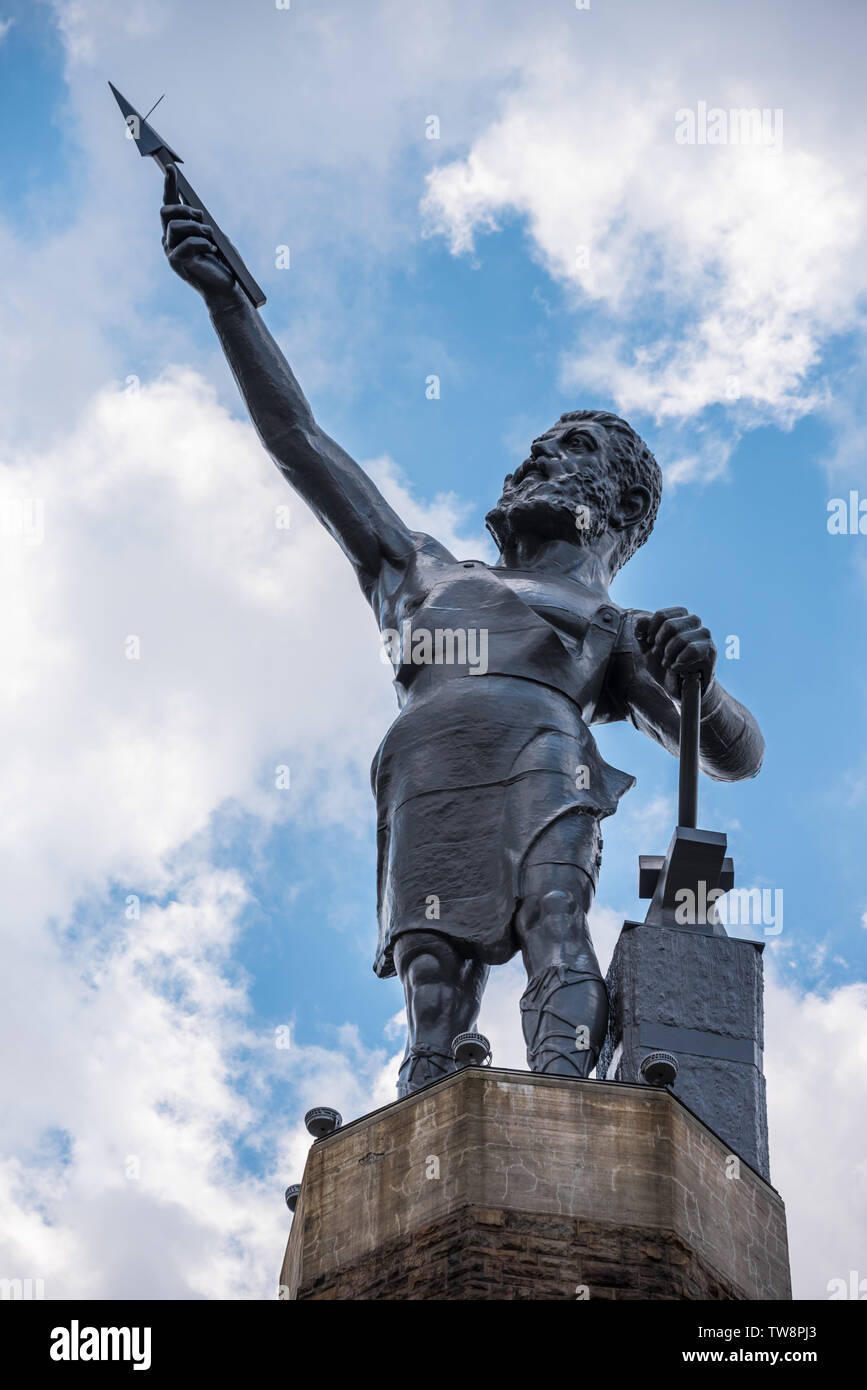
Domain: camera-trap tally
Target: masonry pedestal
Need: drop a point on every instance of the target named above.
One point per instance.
(495, 1184)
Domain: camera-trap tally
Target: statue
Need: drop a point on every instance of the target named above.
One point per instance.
(490, 790)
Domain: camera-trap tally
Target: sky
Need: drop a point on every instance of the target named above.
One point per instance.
(187, 944)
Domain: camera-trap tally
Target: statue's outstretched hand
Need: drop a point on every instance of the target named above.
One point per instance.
(190, 247)
(675, 643)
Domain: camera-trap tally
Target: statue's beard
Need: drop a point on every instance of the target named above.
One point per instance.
(553, 509)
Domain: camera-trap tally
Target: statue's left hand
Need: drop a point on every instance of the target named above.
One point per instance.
(675, 643)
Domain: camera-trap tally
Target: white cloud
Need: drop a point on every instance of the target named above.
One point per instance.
(280, 136)
(132, 1037)
(160, 524)
(816, 1063)
(724, 271)
(445, 516)
(124, 1043)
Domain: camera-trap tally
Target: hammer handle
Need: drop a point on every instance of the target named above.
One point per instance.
(690, 731)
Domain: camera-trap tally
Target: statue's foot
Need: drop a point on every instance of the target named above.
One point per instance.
(421, 1066)
(559, 1013)
(559, 1057)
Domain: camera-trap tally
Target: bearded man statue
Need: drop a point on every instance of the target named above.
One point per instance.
(490, 790)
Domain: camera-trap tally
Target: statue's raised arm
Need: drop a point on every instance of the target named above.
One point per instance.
(340, 493)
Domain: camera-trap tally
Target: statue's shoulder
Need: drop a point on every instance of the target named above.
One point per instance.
(428, 548)
(412, 573)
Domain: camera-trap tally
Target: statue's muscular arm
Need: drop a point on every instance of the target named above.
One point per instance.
(654, 652)
(338, 491)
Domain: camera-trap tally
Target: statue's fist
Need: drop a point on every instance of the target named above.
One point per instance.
(190, 247)
(675, 643)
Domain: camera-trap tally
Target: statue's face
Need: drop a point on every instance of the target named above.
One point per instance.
(565, 487)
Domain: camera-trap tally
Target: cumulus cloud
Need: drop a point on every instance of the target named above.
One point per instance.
(721, 272)
(126, 1107)
(147, 623)
(816, 1063)
(718, 275)
(162, 617)
(281, 138)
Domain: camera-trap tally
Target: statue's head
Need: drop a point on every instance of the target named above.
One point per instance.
(588, 477)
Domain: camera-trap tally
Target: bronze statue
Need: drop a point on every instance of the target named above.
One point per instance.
(489, 786)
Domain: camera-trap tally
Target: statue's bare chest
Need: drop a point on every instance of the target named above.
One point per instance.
(538, 627)
(479, 591)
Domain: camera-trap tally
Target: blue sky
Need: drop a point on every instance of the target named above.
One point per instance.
(410, 257)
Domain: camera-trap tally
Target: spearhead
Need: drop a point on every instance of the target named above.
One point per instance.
(153, 145)
(149, 143)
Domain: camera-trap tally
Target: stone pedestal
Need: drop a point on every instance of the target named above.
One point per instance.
(497, 1184)
(699, 997)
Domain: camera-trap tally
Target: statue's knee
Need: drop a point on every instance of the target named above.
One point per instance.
(426, 970)
(547, 909)
(424, 961)
(553, 927)
(557, 903)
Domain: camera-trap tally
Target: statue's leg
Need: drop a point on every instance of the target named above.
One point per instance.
(564, 1009)
(443, 989)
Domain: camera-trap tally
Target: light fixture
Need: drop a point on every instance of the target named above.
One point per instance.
(471, 1050)
(322, 1120)
(659, 1068)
